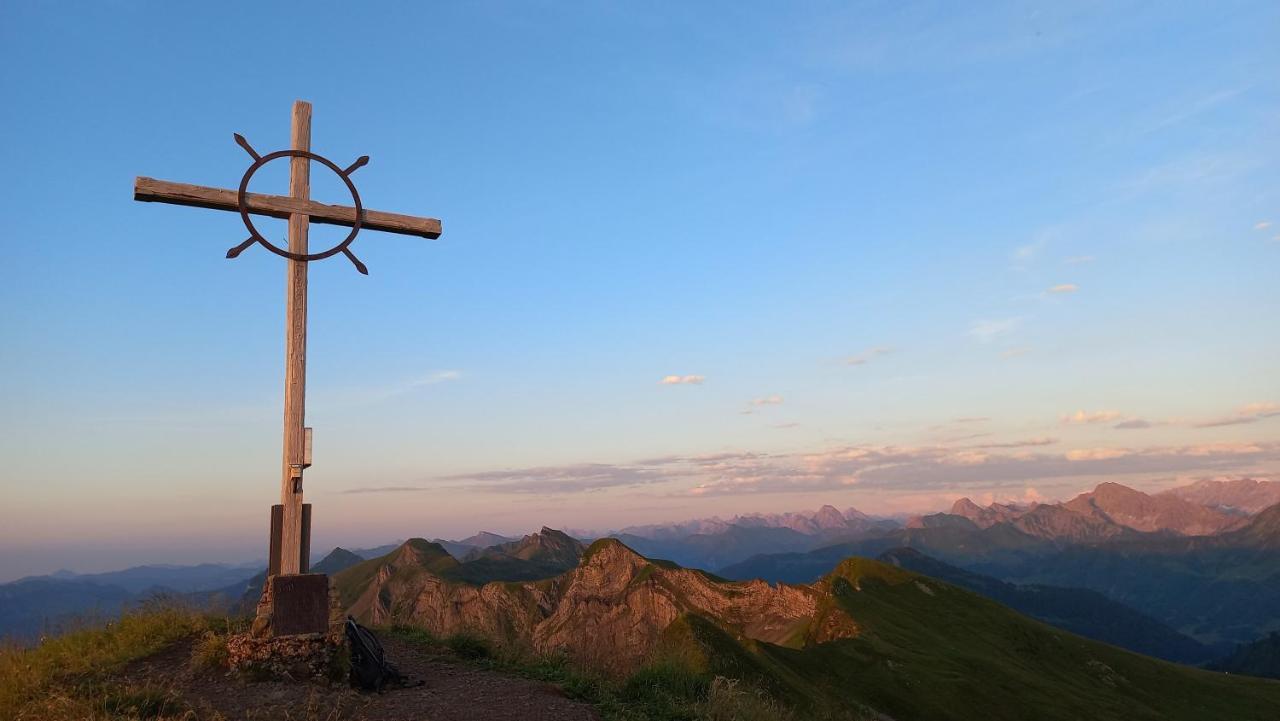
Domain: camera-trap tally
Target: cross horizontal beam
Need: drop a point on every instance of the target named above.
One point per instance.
(281, 206)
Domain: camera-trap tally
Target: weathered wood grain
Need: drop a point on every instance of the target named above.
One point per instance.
(280, 206)
(295, 349)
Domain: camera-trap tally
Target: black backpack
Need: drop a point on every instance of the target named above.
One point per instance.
(370, 669)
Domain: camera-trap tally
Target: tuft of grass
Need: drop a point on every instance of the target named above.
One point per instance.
(210, 652)
(142, 702)
(469, 646)
(729, 700)
(414, 634)
(340, 665)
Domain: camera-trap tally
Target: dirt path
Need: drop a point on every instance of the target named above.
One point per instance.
(452, 692)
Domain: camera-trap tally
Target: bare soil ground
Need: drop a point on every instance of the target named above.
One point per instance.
(451, 691)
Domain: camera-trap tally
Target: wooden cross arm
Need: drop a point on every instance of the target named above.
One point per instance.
(280, 206)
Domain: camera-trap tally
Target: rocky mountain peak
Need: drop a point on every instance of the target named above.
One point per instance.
(829, 517)
(612, 554)
(1240, 495)
(1141, 512)
(336, 560)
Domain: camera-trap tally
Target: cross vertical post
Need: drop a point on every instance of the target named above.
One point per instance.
(295, 352)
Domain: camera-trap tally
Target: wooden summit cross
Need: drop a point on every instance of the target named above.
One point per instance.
(290, 528)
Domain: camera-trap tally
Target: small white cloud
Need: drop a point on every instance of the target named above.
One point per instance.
(753, 404)
(1084, 417)
(1030, 250)
(1262, 225)
(987, 330)
(1014, 352)
(1096, 454)
(682, 380)
(866, 356)
(1064, 288)
(438, 377)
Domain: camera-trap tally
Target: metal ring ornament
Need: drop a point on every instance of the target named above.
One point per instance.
(253, 231)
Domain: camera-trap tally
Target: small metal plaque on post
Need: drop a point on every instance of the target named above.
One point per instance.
(300, 604)
(306, 447)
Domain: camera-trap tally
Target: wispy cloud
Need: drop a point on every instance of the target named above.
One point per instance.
(1027, 443)
(1086, 417)
(1193, 170)
(1064, 288)
(1097, 454)
(866, 356)
(1262, 225)
(1028, 251)
(358, 396)
(934, 467)
(896, 468)
(1133, 424)
(988, 330)
(1250, 413)
(1189, 108)
(1014, 352)
(757, 403)
(693, 380)
(557, 480)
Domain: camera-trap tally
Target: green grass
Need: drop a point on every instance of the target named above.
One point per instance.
(668, 689)
(61, 677)
(933, 651)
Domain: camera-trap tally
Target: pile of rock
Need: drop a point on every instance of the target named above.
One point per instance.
(297, 633)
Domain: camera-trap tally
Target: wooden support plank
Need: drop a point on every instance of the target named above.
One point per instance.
(273, 542)
(304, 553)
(279, 206)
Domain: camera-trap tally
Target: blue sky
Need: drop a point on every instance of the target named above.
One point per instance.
(935, 251)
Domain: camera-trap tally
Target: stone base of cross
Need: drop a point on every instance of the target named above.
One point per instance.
(291, 518)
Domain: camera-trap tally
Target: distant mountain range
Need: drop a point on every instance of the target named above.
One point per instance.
(1109, 511)
(1219, 589)
(713, 543)
(39, 605)
(1244, 495)
(1080, 611)
(1185, 574)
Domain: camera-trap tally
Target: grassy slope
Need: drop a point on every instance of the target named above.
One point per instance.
(952, 654)
(432, 557)
(1260, 658)
(58, 678)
